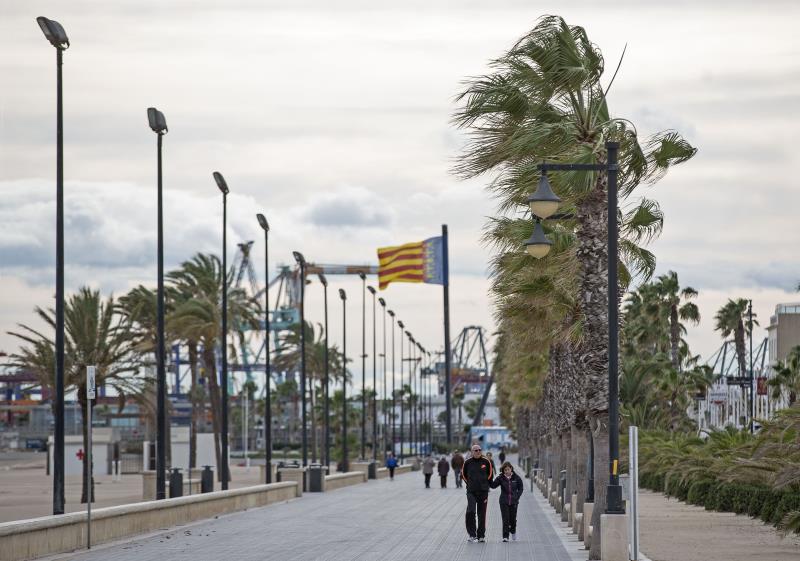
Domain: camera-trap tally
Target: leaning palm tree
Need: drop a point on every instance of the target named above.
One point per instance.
(95, 335)
(731, 319)
(545, 101)
(676, 299)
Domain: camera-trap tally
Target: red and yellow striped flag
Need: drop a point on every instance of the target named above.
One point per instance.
(411, 262)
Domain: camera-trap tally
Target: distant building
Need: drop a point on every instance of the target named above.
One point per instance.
(783, 331)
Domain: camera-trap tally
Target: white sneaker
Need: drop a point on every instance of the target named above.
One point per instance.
(471, 539)
(514, 537)
(505, 539)
(481, 540)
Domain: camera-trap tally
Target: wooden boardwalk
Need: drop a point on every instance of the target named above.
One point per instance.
(379, 521)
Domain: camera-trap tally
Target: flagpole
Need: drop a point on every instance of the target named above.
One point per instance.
(446, 273)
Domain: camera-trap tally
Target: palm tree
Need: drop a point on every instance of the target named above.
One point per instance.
(545, 101)
(732, 319)
(787, 377)
(673, 295)
(95, 335)
(198, 317)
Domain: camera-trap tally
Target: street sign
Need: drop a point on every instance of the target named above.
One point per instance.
(718, 395)
(90, 382)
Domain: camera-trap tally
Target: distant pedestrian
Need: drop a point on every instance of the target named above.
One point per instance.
(489, 457)
(391, 463)
(478, 474)
(444, 468)
(457, 462)
(427, 470)
(511, 488)
(502, 456)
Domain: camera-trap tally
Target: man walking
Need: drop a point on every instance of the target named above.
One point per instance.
(477, 472)
(427, 470)
(457, 462)
(444, 469)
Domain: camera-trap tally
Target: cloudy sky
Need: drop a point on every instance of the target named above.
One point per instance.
(332, 118)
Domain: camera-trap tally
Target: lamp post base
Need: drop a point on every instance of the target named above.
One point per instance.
(614, 503)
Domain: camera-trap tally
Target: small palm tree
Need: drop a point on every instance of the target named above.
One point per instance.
(731, 319)
(787, 377)
(677, 301)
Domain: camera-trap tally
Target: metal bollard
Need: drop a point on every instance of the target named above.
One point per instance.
(563, 489)
(372, 470)
(175, 483)
(206, 480)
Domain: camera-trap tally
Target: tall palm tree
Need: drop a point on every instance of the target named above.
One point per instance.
(545, 101)
(732, 318)
(680, 309)
(198, 317)
(95, 335)
(787, 377)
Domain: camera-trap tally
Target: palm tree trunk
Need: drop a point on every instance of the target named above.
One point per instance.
(193, 398)
(216, 405)
(313, 422)
(740, 351)
(674, 336)
(601, 478)
(580, 444)
(566, 439)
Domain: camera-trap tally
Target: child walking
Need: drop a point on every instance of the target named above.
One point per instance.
(511, 488)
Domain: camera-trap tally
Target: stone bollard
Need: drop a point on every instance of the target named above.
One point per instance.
(573, 505)
(614, 537)
(588, 508)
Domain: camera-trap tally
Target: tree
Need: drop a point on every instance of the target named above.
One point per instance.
(680, 309)
(787, 377)
(94, 335)
(732, 318)
(545, 101)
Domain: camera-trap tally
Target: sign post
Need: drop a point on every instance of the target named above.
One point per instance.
(90, 395)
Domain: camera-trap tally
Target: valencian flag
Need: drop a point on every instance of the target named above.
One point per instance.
(412, 262)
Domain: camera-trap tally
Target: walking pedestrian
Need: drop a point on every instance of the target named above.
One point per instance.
(502, 456)
(391, 463)
(457, 462)
(489, 457)
(444, 469)
(427, 470)
(511, 488)
(477, 472)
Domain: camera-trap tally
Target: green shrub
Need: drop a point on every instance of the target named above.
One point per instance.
(741, 498)
(770, 504)
(698, 492)
(757, 500)
(789, 501)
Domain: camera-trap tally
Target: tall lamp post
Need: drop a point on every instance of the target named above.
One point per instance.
(394, 387)
(262, 221)
(57, 37)
(402, 396)
(363, 278)
(374, 380)
(324, 282)
(159, 125)
(223, 187)
(412, 380)
(345, 460)
(382, 302)
(544, 203)
(301, 261)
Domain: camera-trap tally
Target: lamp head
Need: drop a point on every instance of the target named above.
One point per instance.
(382, 302)
(323, 280)
(543, 201)
(362, 276)
(298, 257)
(221, 183)
(371, 290)
(262, 221)
(157, 120)
(538, 245)
(390, 312)
(342, 294)
(400, 323)
(54, 33)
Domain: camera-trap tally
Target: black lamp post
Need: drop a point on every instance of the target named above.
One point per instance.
(544, 203)
(324, 282)
(363, 278)
(262, 221)
(413, 403)
(302, 263)
(424, 392)
(345, 460)
(159, 125)
(382, 302)
(58, 38)
(374, 380)
(402, 391)
(394, 387)
(223, 187)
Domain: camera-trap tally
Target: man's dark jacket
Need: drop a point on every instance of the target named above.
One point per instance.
(478, 474)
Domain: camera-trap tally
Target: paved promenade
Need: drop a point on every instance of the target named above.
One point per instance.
(382, 520)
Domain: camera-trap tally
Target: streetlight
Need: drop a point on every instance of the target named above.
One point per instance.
(394, 388)
(412, 403)
(58, 38)
(382, 302)
(345, 461)
(223, 187)
(424, 391)
(374, 380)
(363, 278)
(544, 203)
(159, 125)
(301, 261)
(324, 282)
(402, 404)
(262, 221)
